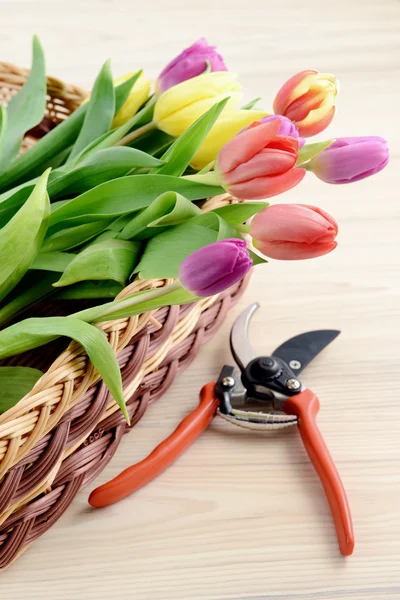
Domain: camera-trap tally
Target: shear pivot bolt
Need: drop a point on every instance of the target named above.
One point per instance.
(295, 364)
(228, 382)
(293, 384)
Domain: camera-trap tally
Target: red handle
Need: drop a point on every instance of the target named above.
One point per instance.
(306, 406)
(163, 455)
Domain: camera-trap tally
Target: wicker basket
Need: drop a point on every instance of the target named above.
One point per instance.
(62, 434)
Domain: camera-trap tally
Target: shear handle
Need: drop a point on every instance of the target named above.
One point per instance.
(305, 406)
(163, 455)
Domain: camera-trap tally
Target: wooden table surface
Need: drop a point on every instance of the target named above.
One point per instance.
(243, 516)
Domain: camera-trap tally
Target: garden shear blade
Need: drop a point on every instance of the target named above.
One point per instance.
(270, 381)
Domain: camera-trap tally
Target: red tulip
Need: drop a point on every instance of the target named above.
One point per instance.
(294, 232)
(258, 163)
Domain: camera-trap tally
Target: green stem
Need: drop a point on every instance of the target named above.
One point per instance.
(137, 133)
(100, 313)
(210, 178)
(242, 228)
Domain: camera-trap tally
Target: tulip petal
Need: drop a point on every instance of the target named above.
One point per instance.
(317, 121)
(351, 159)
(190, 63)
(208, 85)
(227, 126)
(179, 121)
(294, 87)
(266, 187)
(244, 147)
(215, 267)
(299, 108)
(268, 162)
(294, 251)
(298, 223)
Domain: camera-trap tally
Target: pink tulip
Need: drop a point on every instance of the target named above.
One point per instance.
(259, 163)
(350, 159)
(308, 99)
(294, 232)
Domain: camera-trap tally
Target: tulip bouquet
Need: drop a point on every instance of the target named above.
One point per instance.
(116, 191)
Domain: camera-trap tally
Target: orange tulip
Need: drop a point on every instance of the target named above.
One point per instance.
(308, 100)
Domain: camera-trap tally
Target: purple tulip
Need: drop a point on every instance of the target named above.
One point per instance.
(349, 159)
(287, 127)
(215, 267)
(190, 63)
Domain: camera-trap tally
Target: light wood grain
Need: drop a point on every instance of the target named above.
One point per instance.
(243, 516)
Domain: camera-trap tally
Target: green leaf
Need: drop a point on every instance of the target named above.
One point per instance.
(26, 108)
(251, 104)
(168, 209)
(256, 258)
(66, 239)
(33, 333)
(90, 290)
(3, 126)
(154, 142)
(15, 383)
(97, 168)
(309, 151)
(109, 259)
(33, 287)
(108, 234)
(100, 111)
(179, 155)
(123, 90)
(236, 214)
(165, 252)
(33, 161)
(21, 238)
(127, 194)
(52, 261)
(113, 137)
(12, 200)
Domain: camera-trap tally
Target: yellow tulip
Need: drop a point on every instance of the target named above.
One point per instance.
(181, 105)
(138, 96)
(227, 126)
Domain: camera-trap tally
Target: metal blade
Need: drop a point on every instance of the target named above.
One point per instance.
(299, 351)
(241, 349)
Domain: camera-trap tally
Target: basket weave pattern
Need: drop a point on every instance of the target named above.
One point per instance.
(64, 432)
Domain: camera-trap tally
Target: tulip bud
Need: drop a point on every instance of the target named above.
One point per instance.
(350, 159)
(293, 232)
(215, 267)
(308, 99)
(259, 163)
(190, 63)
(287, 127)
(180, 106)
(226, 127)
(138, 96)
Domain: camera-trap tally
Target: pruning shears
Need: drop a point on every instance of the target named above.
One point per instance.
(267, 380)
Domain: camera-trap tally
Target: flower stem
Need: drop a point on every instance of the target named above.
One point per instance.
(137, 133)
(102, 313)
(210, 178)
(242, 228)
